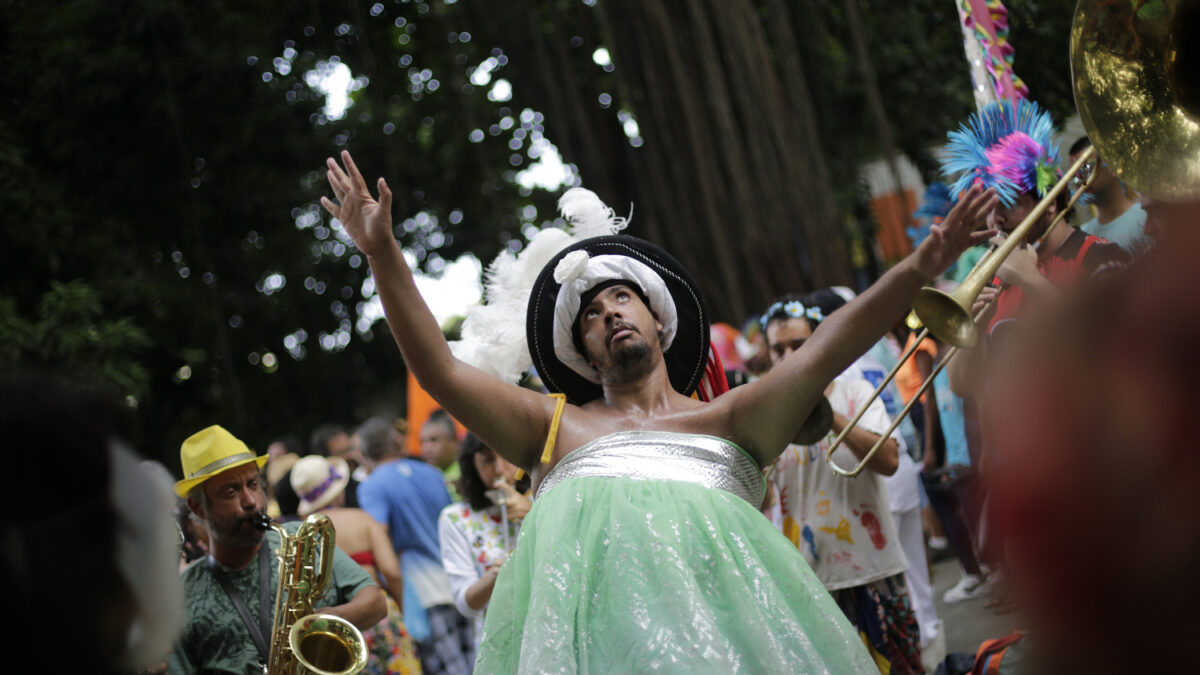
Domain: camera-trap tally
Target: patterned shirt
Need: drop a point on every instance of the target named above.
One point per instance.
(842, 526)
(472, 542)
(215, 638)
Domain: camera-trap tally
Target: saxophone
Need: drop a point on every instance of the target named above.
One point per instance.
(301, 641)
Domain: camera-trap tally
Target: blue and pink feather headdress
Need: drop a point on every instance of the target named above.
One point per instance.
(1007, 147)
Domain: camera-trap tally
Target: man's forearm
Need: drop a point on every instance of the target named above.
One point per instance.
(480, 592)
(965, 370)
(364, 610)
(849, 332)
(509, 419)
(792, 387)
(395, 586)
(1037, 288)
(860, 441)
(929, 451)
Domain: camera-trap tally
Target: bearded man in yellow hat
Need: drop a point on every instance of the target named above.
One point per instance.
(230, 595)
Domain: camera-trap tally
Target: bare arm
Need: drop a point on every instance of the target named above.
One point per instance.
(512, 420)
(364, 610)
(480, 593)
(884, 462)
(386, 561)
(968, 368)
(765, 414)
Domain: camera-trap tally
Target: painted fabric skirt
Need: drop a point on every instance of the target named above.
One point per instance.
(390, 650)
(886, 623)
(624, 575)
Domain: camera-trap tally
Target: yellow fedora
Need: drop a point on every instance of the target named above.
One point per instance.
(207, 453)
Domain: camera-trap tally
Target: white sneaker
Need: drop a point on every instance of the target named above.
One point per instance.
(929, 633)
(969, 587)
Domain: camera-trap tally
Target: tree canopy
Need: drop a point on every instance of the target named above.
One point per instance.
(160, 162)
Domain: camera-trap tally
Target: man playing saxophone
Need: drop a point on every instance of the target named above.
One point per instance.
(230, 594)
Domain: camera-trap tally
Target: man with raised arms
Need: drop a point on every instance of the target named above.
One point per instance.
(644, 548)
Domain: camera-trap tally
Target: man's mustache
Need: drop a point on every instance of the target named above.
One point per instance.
(617, 327)
(259, 519)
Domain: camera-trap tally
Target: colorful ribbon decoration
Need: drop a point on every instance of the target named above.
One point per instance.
(988, 21)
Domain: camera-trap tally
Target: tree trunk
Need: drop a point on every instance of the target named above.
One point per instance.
(730, 178)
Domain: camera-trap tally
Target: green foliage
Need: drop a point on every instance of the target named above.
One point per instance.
(70, 333)
(170, 154)
(917, 53)
(16, 333)
(161, 160)
(1041, 34)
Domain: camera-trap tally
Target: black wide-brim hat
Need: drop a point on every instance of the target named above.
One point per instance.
(688, 353)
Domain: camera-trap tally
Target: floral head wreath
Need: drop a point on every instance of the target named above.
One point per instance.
(793, 309)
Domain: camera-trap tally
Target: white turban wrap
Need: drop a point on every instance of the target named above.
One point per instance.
(578, 274)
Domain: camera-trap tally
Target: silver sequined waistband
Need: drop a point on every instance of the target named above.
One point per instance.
(657, 455)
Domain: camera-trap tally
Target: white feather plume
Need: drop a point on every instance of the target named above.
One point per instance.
(493, 334)
(588, 216)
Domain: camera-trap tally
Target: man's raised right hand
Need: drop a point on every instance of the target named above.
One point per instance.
(368, 221)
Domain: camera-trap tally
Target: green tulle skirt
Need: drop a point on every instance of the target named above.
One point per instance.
(615, 575)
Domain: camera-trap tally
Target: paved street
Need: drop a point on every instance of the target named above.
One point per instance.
(965, 624)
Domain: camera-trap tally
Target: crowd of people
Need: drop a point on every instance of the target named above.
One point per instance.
(658, 511)
(430, 556)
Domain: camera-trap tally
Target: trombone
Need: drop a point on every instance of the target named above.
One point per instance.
(948, 315)
(960, 318)
(1154, 146)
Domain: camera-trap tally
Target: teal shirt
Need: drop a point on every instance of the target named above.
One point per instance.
(214, 636)
(966, 262)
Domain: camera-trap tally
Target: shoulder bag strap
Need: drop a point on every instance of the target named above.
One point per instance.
(257, 630)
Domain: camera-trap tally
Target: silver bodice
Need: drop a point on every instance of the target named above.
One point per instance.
(660, 455)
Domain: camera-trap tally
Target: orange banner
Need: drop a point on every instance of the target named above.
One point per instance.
(420, 406)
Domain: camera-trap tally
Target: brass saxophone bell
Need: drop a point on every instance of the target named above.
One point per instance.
(328, 645)
(301, 641)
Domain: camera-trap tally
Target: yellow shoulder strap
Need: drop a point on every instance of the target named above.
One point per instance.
(560, 404)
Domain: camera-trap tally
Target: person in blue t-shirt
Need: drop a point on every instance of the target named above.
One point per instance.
(407, 495)
(1119, 217)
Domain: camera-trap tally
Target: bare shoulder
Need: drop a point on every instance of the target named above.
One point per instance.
(581, 425)
(762, 415)
(374, 526)
(350, 518)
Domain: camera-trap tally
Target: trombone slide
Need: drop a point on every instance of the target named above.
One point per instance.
(984, 260)
(862, 463)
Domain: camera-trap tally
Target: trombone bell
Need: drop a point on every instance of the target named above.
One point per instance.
(950, 313)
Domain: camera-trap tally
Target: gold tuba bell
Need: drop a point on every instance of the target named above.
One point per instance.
(301, 641)
(1136, 70)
